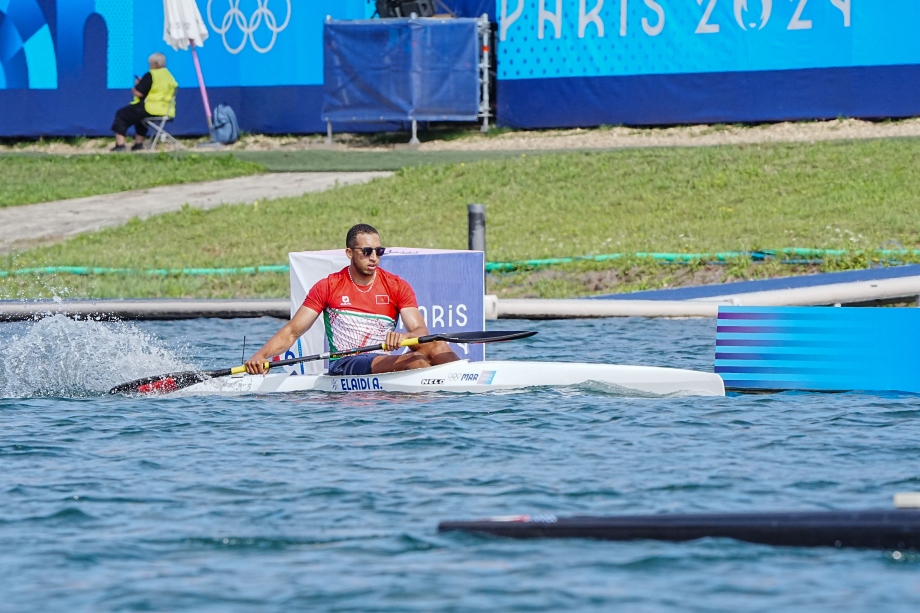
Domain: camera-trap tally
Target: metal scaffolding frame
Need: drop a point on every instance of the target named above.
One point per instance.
(484, 33)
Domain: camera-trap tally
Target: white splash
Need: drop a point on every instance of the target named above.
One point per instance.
(60, 357)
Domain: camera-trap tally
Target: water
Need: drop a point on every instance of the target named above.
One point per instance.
(326, 502)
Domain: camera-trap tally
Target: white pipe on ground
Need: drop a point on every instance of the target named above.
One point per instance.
(833, 294)
(527, 308)
(842, 293)
(145, 309)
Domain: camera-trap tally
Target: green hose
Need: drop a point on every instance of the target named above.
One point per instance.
(722, 256)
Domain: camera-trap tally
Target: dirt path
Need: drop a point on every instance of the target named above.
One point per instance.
(26, 225)
(687, 136)
(468, 138)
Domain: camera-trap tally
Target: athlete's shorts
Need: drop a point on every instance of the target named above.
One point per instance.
(353, 365)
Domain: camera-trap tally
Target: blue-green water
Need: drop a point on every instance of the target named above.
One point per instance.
(325, 502)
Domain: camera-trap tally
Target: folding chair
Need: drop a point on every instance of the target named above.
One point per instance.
(159, 126)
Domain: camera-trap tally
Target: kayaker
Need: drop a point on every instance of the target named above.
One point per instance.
(360, 305)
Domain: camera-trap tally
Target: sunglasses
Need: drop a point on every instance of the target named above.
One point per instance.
(367, 251)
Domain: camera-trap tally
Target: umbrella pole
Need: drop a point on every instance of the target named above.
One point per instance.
(204, 92)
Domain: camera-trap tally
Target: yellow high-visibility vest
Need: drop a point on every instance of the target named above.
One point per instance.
(160, 100)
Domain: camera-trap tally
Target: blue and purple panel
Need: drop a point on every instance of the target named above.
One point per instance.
(818, 348)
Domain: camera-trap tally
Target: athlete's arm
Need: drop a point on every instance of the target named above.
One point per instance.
(142, 86)
(415, 327)
(303, 319)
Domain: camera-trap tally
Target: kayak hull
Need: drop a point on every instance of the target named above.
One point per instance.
(884, 529)
(477, 377)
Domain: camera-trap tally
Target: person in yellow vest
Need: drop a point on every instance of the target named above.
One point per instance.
(153, 97)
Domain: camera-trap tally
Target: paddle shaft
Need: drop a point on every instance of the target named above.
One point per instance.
(409, 342)
(174, 381)
(462, 337)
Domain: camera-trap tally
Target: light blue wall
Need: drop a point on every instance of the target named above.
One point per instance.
(233, 57)
(672, 37)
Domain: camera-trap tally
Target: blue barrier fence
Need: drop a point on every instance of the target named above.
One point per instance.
(401, 70)
(66, 65)
(817, 349)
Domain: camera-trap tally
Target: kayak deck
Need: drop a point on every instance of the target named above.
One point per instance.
(884, 529)
(477, 377)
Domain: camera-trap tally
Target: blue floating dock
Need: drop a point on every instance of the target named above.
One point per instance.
(818, 349)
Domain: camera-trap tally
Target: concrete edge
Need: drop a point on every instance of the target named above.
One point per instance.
(145, 309)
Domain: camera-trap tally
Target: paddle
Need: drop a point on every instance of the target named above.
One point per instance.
(171, 382)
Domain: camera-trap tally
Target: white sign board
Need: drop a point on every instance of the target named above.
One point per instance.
(448, 285)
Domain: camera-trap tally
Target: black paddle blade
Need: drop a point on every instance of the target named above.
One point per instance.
(163, 384)
(496, 336)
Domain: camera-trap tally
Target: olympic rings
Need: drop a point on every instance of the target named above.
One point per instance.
(248, 27)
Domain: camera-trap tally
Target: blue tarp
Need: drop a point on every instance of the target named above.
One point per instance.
(400, 70)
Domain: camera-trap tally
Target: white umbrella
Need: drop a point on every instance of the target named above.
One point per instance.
(183, 26)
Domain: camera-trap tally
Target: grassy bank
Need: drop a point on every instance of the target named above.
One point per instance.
(847, 195)
(35, 178)
(637, 274)
(575, 279)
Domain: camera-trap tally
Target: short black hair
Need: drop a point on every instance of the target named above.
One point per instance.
(351, 239)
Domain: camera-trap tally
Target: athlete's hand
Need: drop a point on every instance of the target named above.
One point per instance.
(256, 364)
(394, 339)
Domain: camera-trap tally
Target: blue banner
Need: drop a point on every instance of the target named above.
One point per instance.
(449, 288)
(818, 348)
(252, 43)
(651, 62)
(545, 39)
(67, 65)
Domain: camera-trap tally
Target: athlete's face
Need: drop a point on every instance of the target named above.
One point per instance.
(366, 265)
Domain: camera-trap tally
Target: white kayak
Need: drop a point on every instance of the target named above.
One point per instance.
(466, 376)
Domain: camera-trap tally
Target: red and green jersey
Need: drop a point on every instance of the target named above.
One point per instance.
(357, 316)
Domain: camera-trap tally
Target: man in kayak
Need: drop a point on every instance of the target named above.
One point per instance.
(360, 305)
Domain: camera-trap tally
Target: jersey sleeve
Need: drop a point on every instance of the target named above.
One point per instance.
(143, 86)
(405, 296)
(318, 297)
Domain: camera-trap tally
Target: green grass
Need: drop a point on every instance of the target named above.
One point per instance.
(69, 286)
(847, 195)
(587, 278)
(35, 178)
